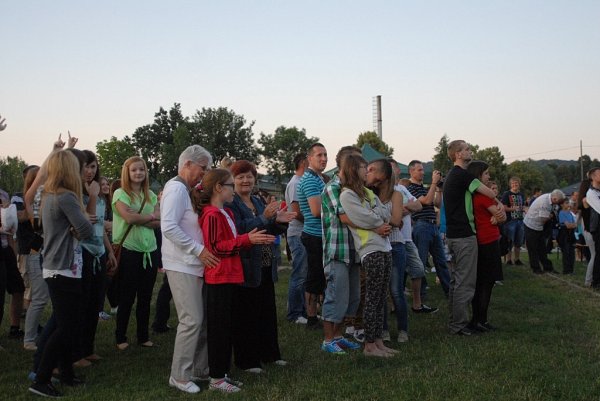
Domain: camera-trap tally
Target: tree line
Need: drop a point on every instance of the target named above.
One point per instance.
(546, 175)
(228, 134)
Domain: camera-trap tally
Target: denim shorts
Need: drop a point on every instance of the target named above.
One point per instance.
(342, 294)
(515, 232)
(414, 265)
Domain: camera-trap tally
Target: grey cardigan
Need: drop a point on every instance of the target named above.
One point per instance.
(60, 212)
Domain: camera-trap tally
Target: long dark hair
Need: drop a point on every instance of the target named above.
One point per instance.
(203, 192)
(477, 168)
(349, 174)
(386, 189)
(583, 188)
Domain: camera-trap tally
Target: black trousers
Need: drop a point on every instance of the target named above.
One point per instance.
(255, 324)
(135, 281)
(219, 321)
(536, 248)
(92, 285)
(489, 269)
(163, 304)
(596, 270)
(65, 294)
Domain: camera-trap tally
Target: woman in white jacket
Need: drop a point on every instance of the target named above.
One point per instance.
(184, 258)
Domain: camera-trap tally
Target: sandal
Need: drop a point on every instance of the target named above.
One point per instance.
(122, 346)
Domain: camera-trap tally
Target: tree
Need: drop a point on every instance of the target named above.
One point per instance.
(279, 149)
(224, 133)
(149, 140)
(498, 168)
(441, 161)
(112, 154)
(11, 174)
(530, 173)
(376, 143)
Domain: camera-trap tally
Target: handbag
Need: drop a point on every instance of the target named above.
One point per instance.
(118, 247)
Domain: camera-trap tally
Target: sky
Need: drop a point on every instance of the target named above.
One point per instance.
(517, 74)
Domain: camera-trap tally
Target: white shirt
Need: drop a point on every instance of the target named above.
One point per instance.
(182, 240)
(539, 212)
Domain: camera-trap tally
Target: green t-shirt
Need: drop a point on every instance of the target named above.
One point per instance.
(140, 238)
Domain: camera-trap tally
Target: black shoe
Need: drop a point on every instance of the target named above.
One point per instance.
(509, 262)
(477, 327)
(518, 262)
(425, 309)
(45, 390)
(464, 332)
(552, 271)
(488, 326)
(160, 328)
(538, 271)
(15, 332)
(314, 324)
(72, 382)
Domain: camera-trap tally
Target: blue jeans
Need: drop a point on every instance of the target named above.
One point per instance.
(296, 307)
(342, 294)
(397, 285)
(427, 238)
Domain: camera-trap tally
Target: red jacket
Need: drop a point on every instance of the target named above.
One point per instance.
(219, 240)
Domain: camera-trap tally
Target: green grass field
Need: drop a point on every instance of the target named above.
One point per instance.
(547, 348)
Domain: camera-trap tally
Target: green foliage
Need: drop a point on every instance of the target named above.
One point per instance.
(530, 174)
(441, 162)
(11, 174)
(224, 133)
(149, 141)
(278, 149)
(495, 159)
(376, 143)
(112, 154)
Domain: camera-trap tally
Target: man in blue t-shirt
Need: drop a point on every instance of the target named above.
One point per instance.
(460, 232)
(309, 199)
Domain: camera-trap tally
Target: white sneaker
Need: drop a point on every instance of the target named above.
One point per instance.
(281, 362)
(188, 387)
(301, 320)
(433, 270)
(359, 335)
(104, 316)
(350, 330)
(223, 385)
(30, 346)
(385, 335)
(255, 370)
(402, 336)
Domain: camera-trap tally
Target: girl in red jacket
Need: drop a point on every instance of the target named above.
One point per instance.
(222, 240)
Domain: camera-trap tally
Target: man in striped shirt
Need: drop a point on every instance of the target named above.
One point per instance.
(426, 234)
(309, 199)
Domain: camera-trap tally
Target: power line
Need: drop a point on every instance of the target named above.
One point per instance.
(550, 151)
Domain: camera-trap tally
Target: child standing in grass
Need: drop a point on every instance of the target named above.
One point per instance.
(222, 240)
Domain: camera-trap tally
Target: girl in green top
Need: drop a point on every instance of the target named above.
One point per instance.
(139, 257)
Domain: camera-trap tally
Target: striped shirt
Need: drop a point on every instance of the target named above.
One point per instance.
(311, 185)
(428, 211)
(337, 244)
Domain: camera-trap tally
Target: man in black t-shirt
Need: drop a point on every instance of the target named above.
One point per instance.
(460, 232)
(514, 206)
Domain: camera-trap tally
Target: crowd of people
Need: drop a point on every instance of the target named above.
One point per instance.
(353, 238)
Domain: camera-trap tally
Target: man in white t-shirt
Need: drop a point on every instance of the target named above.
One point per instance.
(296, 311)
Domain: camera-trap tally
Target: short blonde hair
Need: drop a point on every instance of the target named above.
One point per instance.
(64, 174)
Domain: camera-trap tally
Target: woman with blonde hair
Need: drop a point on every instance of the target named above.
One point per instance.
(135, 205)
(65, 223)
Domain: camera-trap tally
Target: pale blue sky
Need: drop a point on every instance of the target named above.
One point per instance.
(520, 75)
